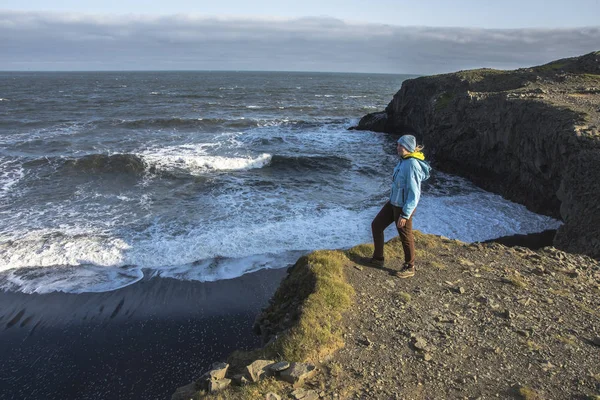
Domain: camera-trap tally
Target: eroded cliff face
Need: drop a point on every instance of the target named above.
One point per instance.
(531, 135)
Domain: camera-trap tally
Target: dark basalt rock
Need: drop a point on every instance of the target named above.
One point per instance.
(524, 134)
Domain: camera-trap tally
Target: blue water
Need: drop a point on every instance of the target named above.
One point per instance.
(105, 177)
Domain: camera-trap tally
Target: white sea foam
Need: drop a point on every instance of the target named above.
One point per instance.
(92, 262)
(80, 279)
(45, 248)
(210, 270)
(11, 172)
(477, 215)
(195, 160)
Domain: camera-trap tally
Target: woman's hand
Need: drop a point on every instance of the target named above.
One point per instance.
(401, 223)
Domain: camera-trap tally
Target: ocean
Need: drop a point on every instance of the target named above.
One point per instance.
(109, 177)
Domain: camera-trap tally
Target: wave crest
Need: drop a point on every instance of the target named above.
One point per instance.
(200, 164)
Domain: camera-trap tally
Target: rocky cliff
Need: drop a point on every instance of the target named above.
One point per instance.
(532, 135)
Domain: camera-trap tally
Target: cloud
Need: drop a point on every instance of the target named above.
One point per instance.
(52, 41)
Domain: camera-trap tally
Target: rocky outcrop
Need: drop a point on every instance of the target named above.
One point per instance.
(532, 135)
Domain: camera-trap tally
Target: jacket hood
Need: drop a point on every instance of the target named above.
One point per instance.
(415, 154)
(420, 159)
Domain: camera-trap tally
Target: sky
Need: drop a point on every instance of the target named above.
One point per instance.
(382, 36)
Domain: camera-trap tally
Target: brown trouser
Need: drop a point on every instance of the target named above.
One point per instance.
(386, 216)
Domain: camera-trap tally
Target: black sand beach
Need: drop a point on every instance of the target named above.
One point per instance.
(139, 342)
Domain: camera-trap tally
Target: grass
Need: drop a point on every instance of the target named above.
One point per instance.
(559, 292)
(516, 280)
(317, 279)
(317, 332)
(426, 241)
(533, 346)
(568, 339)
(361, 251)
(466, 263)
(486, 268)
(591, 76)
(584, 307)
(335, 369)
(438, 265)
(528, 393)
(257, 390)
(403, 296)
(553, 66)
(476, 75)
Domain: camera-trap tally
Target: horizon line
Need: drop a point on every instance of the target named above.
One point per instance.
(210, 70)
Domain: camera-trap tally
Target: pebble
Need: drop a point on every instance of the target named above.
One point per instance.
(420, 343)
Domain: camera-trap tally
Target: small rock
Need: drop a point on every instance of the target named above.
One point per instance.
(427, 357)
(258, 369)
(272, 396)
(420, 344)
(217, 371)
(280, 366)
(297, 373)
(523, 333)
(358, 267)
(460, 290)
(303, 394)
(216, 385)
(539, 270)
(547, 366)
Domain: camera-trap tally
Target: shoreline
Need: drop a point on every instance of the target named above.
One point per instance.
(140, 341)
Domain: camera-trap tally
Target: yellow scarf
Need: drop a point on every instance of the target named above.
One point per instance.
(415, 154)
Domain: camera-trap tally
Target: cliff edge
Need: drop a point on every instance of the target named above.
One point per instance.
(476, 321)
(532, 135)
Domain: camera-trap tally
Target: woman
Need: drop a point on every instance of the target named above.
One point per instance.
(406, 191)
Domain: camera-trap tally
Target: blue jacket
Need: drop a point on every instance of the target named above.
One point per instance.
(406, 184)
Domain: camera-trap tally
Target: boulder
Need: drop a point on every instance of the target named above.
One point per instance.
(376, 122)
(272, 396)
(259, 369)
(297, 373)
(217, 371)
(280, 366)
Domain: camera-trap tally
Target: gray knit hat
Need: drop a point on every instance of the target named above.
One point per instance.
(408, 142)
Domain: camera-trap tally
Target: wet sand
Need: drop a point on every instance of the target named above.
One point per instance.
(139, 342)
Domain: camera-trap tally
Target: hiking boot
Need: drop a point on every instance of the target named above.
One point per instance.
(376, 262)
(406, 272)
